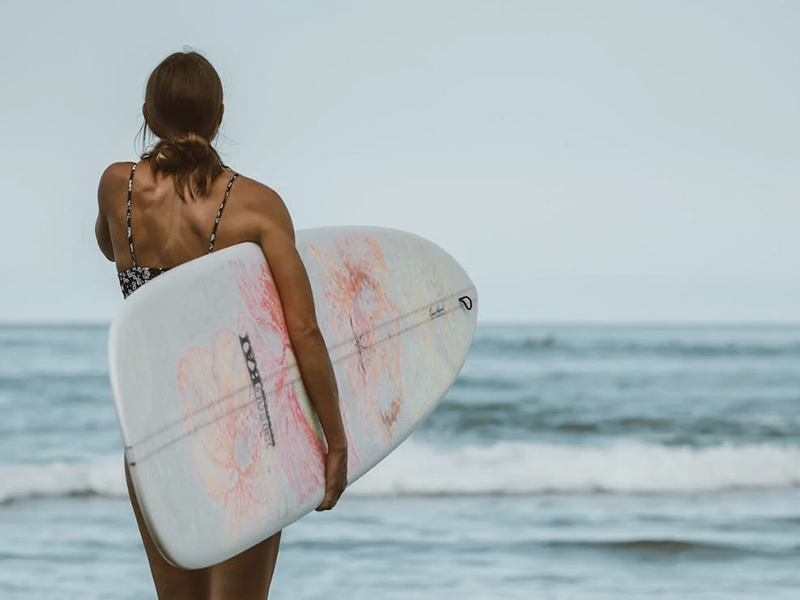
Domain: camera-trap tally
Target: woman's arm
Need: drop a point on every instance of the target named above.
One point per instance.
(103, 237)
(101, 230)
(276, 238)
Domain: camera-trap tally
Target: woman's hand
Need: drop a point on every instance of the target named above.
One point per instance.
(335, 478)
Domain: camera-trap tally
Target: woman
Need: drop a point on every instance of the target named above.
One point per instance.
(178, 203)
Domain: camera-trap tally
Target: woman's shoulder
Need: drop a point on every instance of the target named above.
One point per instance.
(254, 192)
(115, 172)
(113, 182)
(258, 197)
(257, 201)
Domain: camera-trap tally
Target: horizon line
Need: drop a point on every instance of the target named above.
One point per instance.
(77, 323)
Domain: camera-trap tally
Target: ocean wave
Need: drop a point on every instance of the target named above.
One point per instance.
(523, 468)
(507, 468)
(657, 547)
(514, 418)
(512, 343)
(104, 477)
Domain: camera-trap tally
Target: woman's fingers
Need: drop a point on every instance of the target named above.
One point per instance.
(335, 478)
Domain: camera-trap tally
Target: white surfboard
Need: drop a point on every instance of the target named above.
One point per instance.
(222, 444)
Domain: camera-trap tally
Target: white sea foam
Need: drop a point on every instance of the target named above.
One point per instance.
(625, 467)
(102, 477)
(506, 468)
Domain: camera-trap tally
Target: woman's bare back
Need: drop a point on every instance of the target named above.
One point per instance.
(168, 230)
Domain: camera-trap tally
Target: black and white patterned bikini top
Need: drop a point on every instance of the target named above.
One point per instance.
(132, 279)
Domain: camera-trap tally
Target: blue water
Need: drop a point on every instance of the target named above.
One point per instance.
(566, 463)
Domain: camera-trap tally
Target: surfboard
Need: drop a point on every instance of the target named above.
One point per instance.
(221, 441)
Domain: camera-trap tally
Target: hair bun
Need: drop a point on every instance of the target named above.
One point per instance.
(190, 140)
(187, 144)
(190, 158)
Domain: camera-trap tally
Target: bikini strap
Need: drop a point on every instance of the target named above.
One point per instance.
(219, 214)
(130, 231)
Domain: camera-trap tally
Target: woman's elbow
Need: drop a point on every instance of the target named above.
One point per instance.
(302, 329)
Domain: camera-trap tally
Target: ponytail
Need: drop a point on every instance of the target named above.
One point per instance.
(190, 159)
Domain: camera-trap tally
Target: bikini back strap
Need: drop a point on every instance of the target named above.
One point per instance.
(219, 214)
(128, 218)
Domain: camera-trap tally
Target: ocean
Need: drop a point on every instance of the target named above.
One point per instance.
(567, 462)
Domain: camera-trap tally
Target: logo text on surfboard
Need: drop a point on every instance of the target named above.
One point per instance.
(258, 388)
(436, 311)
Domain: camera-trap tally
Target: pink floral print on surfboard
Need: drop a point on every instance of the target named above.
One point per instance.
(236, 462)
(298, 434)
(231, 459)
(357, 299)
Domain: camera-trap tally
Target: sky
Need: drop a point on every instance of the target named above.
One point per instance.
(616, 161)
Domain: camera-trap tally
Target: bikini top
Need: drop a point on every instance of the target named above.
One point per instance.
(132, 279)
